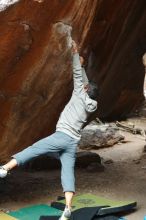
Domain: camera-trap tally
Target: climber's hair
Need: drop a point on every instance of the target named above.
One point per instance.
(93, 90)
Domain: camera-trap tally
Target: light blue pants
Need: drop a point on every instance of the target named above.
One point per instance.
(60, 143)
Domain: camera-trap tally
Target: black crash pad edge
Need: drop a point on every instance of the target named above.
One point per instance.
(123, 208)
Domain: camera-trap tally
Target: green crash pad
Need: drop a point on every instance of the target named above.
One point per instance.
(34, 212)
(4, 216)
(89, 200)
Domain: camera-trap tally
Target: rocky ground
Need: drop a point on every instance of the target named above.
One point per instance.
(124, 177)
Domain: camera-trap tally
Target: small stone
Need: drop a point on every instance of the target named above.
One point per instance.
(136, 161)
(108, 161)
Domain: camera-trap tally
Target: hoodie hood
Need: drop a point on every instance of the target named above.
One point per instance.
(90, 104)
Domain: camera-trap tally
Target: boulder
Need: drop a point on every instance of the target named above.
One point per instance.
(84, 160)
(97, 136)
(35, 62)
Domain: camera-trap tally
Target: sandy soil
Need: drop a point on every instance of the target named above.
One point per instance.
(124, 178)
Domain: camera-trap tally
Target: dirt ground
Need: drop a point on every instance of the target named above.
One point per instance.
(124, 178)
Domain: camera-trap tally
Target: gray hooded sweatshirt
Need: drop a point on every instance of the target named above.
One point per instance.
(76, 112)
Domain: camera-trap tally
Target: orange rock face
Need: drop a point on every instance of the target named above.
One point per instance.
(35, 62)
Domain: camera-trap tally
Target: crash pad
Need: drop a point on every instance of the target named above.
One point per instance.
(100, 218)
(35, 212)
(4, 216)
(89, 200)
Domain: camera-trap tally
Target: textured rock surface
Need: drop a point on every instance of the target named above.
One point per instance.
(35, 78)
(35, 67)
(118, 42)
(97, 136)
(51, 161)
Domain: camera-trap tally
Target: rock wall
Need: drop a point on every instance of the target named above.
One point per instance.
(35, 62)
(117, 43)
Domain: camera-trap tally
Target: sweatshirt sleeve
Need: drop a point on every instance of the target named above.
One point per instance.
(77, 74)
